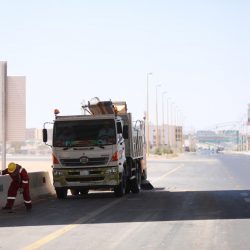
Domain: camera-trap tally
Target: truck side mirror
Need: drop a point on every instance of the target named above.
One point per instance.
(125, 132)
(45, 135)
(119, 128)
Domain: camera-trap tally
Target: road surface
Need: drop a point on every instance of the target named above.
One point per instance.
(200, 201)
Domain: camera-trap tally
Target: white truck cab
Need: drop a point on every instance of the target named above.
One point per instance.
(98, 150)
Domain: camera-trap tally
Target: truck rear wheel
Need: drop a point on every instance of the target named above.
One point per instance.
(61, 193)
(128, 186)
(144, 175)
(136, 181)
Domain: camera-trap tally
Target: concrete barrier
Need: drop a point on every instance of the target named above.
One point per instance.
(40, 185)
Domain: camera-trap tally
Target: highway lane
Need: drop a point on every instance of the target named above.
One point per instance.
(238, 166)
(199, 202)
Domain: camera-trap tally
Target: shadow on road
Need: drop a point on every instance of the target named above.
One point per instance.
(156, 205)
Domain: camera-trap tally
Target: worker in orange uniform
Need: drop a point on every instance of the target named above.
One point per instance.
(20, 180)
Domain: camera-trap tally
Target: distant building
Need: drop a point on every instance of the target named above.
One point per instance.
(33, 134)
(36, 134)
(13, 105)
(169, 135)
(16, 108)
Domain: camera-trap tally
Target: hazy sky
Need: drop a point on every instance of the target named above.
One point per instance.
(199, 51)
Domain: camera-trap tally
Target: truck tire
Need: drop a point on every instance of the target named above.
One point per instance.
(128, 173)
(120, 189)
(128, 186)
(144, 175)
(136, 181)
(74, 191)
(61, 193)
(84, 191)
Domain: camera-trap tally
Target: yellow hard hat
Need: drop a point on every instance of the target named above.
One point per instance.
(11, 167)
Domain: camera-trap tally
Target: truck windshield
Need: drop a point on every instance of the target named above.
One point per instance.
(84, 133)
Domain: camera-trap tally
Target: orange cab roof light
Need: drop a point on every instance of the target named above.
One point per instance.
(56, 111)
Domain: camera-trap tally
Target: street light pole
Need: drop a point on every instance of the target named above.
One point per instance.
(157, 131)
(3, 83)
(148, 141)
(168, 121)
(172, 124)
(163, 128)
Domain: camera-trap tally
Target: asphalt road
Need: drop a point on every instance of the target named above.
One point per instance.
(200, 201)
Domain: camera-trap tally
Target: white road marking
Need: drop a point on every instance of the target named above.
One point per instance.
(168, 173)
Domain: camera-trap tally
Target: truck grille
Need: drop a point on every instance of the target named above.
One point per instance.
(91, 162)
(92, 172)
(85, 179)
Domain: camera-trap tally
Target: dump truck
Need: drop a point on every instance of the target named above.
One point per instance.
(102, 149)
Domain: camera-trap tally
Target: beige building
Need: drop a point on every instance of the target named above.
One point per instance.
(13, 105)
(36, 134)
(16, 108)
(171, 136)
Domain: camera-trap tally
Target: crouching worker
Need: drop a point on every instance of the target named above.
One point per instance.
(20, 180)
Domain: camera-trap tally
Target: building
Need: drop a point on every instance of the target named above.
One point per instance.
(36, 134)
(13, 106)
(169, 135)
(16, 108)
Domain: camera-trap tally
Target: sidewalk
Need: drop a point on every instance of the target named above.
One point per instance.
(163, 157)
(237, 152)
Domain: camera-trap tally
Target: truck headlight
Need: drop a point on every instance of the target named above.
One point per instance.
(58, 172)
(112, 170)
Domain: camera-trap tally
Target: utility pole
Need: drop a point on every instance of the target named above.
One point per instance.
(163, 126)
(157, 129)
(168, 122)
(3, 80)
(172, 124)
(147, 118)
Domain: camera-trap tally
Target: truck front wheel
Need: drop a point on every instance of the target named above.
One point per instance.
(61, 193)
(120, 189)
(84, 191)
(74, 191)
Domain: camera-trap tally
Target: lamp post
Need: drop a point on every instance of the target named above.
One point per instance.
(163, 128)
(172, 123)
(148, 74)
(156, 101)
(3, 83)
(178, 129)
(168, 122)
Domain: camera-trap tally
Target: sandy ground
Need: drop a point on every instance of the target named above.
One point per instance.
(33, 164)
(36, 166)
